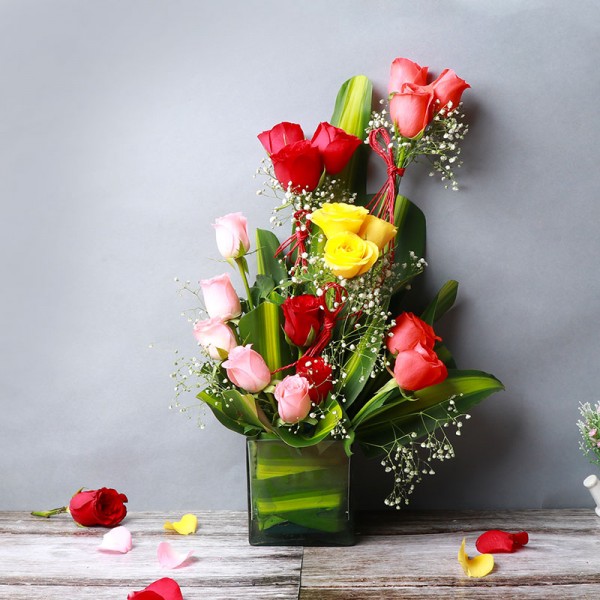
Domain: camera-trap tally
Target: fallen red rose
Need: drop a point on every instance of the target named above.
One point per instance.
(495, 541)
(104, 507)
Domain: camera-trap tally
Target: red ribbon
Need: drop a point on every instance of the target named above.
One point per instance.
(297, 241)
(382, 204)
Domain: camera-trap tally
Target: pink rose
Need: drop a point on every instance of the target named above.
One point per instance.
(293, 398)
(220, 298)
(279, 136)
(247, 369)
(406, 71)
(448, 87)
(232, 235)
(410, 331)
(419, 368)
(214, 335)
(411, 109)
(335, 145)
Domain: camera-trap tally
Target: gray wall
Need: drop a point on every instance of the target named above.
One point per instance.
(126, 127)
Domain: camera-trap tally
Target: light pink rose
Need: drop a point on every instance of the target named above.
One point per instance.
(232, 235)
(293, 398)
(247, 369)
(220, 297)
(448, 87)
(406, 71)
(213, 334)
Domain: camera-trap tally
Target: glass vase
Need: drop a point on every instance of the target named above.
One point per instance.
(299, 496)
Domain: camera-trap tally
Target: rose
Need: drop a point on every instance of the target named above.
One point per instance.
(406, 71)
(279, 136)
(348, 255)
(303, 319)
(339, 217)
(318, 374)
(104, 507)
(247, 369)
(448, 88)
(232, 235)
(410, 331)
(419, 368)
(299, 164)
(215, 336)
(220, 297)
(411, 109)
(378, 231)
(335, 145)
(161, 589)
(293, 398)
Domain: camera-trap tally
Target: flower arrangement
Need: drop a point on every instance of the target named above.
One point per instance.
(320, 347)
(589, 428)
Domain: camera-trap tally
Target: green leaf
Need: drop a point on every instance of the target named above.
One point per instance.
(262, 288)
(216, 406)
(429, 411)
(244, 407)
(266, 262)
(352, 113)
(262, 327)
(443, 301)
(388, 391)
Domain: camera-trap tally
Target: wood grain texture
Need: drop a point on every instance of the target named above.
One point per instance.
(398, 555)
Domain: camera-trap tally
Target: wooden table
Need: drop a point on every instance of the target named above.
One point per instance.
(398, 555)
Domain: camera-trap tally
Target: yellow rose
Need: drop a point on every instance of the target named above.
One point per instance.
(348, 255)
(338, 217)
(378, 231)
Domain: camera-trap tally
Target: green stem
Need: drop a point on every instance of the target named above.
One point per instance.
(49, 513)
(242, 270)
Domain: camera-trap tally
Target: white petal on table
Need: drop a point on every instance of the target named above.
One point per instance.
(116, 540)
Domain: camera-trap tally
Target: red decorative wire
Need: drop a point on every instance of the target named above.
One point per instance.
(339, 299)
(297, 241)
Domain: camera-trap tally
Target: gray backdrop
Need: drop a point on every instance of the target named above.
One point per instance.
(126, 127)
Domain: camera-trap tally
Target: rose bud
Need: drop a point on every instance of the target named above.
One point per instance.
(318, 374)
(406, 71)
(411, 109)
(104, 507)
(419, 368)
(410, 331)
(220, 298)
(335, 145)
(215, 336)
(293, 398)
(299, 164)
(448, 87)
(303, 319)
(247, 369)
(279, 136)
(232, 235)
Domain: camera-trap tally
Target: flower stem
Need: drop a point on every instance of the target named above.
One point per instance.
(240, 262)
(49, 513)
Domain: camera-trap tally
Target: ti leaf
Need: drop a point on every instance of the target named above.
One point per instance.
(219, 410)
(443, 301)
(266, 262)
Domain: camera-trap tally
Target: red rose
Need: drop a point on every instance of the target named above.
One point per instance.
(104, 507)
(279, 136)
(448, 87)
(303, 319)
(300, 164)
(410, 331)
(335, 145)
(318, 374)
(411, 109)
(419, 368)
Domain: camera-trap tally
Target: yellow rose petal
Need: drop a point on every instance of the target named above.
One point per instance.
(339, 217)
(186, 525)
(348, 255)
(378, 231)
(478, 566)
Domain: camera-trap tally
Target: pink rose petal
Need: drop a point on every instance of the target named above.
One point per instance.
(169, 558)
(116, 540)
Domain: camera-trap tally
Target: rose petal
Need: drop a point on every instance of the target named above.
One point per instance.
(161, 589)
(116, 540)
(186, 525)
(497, 541)
(478, 566)
(169, 558)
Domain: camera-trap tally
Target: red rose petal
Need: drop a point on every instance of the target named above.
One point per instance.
(495, 541)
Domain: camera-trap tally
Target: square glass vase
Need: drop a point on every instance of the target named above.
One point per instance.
(299, 496)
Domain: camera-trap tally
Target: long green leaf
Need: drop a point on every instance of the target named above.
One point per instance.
(443, 301)
(216, 406)
(266, 262)
(244, 407)
(262, 327)
(352, 113)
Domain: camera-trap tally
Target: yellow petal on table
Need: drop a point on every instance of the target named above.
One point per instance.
(478, 566)
(186, 525)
